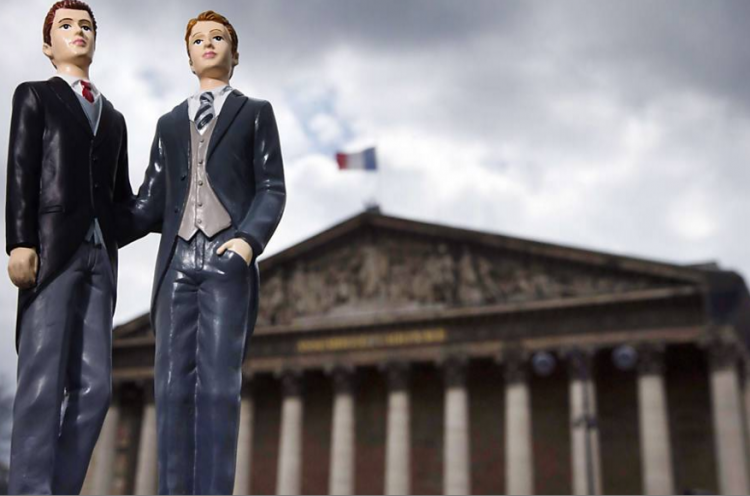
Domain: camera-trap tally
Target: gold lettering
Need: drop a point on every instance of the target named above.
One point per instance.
(368, 341)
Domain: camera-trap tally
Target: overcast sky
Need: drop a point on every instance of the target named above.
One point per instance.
(618, 126)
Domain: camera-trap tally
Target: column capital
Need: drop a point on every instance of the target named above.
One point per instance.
(454, 368)
(291, 382)
(580, 362)
(651, 358)
(397, 374)
(723, 354)
(344, 378)
(515, 362)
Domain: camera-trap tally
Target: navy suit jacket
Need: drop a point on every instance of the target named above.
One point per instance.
(244, 168)
(60, 176)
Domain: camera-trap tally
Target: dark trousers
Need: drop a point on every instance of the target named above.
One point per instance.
(201, 325)
(64, 352)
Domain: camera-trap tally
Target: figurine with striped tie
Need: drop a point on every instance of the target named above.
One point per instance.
(215, 191)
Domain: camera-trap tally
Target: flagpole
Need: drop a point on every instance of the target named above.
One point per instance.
(374, 200)
(377, 187)
(364, 161)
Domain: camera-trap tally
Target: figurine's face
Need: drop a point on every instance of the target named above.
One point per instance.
(210, 48)
(72, 38)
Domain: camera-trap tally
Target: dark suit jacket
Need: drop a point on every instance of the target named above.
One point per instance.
(60, 176)
(243, 165)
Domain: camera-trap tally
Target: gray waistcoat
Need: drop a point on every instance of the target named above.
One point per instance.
(93, 113)
(203, 210)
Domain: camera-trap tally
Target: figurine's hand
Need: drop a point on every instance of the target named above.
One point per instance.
(240, 247)
(22, 267)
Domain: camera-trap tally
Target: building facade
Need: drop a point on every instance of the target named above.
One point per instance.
(399, 357)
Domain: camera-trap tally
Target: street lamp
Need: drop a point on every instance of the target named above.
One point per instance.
(543, 363)
(625, 357)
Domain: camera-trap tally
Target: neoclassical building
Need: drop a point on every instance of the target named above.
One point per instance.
(400, 357)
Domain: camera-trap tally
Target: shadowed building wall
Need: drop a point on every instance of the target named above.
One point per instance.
(370, 430)
(690, 420)
(487, 420)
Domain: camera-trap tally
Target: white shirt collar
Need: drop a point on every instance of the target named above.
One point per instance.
(218, 91)
(220, 96)
(75, 82)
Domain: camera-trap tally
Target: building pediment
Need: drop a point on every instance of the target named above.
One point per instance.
(374, 263)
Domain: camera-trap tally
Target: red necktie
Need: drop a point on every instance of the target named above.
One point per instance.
(87, 94)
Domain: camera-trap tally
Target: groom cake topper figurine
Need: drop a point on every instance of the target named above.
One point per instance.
(67, 168)
(214, 189)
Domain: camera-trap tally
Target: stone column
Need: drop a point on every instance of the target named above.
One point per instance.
(245, 441)
(146, 477)
(106, 449)
(101, 468)
(341, 480)
(584, 433)
(728, 429)
(656, 451)
(288, 478)
(456, 477)
(88, 482)
(519, 461)
(398, 441)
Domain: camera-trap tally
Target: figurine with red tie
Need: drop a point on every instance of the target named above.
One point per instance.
(67, 168)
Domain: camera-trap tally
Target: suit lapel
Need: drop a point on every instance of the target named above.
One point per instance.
(181, 122)
(65, 93)
(105, 122)
(232, 105)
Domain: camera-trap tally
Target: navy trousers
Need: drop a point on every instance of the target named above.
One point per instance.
(64, 353)
(201, 326)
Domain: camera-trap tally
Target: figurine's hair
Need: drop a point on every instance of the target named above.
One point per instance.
(64, 4)
(210, 15)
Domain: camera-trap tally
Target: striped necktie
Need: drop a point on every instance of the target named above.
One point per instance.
(205, 111)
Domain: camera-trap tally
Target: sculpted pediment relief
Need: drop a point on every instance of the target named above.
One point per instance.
(394, 272)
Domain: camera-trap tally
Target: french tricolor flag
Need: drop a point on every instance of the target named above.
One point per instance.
(364, 160)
